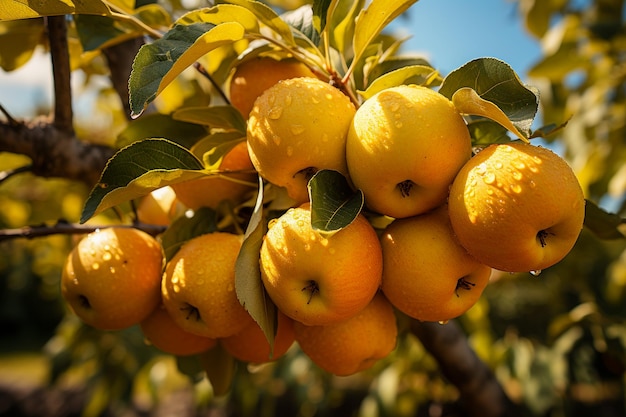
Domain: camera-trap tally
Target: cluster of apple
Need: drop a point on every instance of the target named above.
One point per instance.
(444, 217)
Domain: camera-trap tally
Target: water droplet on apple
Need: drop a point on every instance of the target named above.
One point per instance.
(107, 256)
(275, 113)
(442, 322)
(95, 266)
(489, 178)
(296, 129)
(535, 272)
(516, 188)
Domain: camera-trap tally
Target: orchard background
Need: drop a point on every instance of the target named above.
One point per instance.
(552, 345)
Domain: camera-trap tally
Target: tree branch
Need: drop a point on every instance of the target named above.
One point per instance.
(59, 53)
(481, 395)
(54, 152)
(64, 228)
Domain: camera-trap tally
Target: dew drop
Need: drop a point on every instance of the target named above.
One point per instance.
(95, 266)
(332, 251)
(296, 129)
(532, 184)
(489, 178)
(489, 191)
(176, 289)
(519, 164)
(535, 272)
(289, 150)
(394, 107)
(112, 270)
(517, 175)
(315, 99)
(481, 169)
(498, 165)
(516, 188)
(288, 100)
(398, 124)
(442, 322)
(276, 140)
(275, 113)
(107, 256)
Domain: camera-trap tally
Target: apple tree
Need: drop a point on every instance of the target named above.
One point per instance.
(547, 345)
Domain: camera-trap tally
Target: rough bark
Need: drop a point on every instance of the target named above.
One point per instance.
(481, 395)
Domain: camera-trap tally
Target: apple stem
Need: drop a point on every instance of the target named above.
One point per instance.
(313, 289)
(464, 284)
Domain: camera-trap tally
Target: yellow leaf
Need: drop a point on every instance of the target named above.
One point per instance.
(467, 101)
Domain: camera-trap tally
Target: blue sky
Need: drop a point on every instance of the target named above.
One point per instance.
(449, 32)
(454, 32)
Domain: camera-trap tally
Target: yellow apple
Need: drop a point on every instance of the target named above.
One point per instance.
(404, 148)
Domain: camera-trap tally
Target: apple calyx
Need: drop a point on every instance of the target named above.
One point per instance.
(308, 172)
(542, 235)
(84, 301)
(191, 311)
(405, 187)
(312, 288)
(464, 284)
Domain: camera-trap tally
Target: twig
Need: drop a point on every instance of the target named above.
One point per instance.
(64, 228)
(61, 70)
(481, 395)
(198, 67)
(4, 175)
(10, 119)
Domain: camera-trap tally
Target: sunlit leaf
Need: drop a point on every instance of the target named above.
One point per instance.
(495, 81)
(467, 101)
(203, 220)
(268, 17)
(373, 19)
(211, 148)
(414, 74)
(219, 367)
(342, 25)
(138, 169)
(161, 126)
(603, 224)
(248, 284)
(222, 117)
(26, 9)
(320, 12)
(334, 204)
(222, 13)
(158, 63)
(18, 40)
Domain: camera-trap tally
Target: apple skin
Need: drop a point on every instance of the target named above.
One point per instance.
(319, 280)
(517, 207)
(427, 275)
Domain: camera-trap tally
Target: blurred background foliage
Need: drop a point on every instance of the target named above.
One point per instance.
(557, 342)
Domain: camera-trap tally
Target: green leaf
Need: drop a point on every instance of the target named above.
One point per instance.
(320, 13)
(203, 221)
(495, 81)
(413, 74)
(269, 18)
(372, 20)
(219, 367)
(190, 366)
(341, 28)
(18, 40)
(162, 126)
(248, 284)
(159, 63)
(216, 117)
(26, 9)
(138, 169)
(485, 132)
(467, 101)
(334, 204)
(603, 224)
(212, 148)
(301, 20)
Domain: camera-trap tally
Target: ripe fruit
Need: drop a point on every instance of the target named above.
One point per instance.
(404, 148)
(426, 274)
(251, 345)
(296, 128)
(253, 77)
(210, 191)
(199, 286)
(162, 332)
(517, 207)
(112, 277)
(315, 279)
(355, 344)
(159, 207)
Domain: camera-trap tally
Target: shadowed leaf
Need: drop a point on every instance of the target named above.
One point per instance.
(203, 220)
(334, 204)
